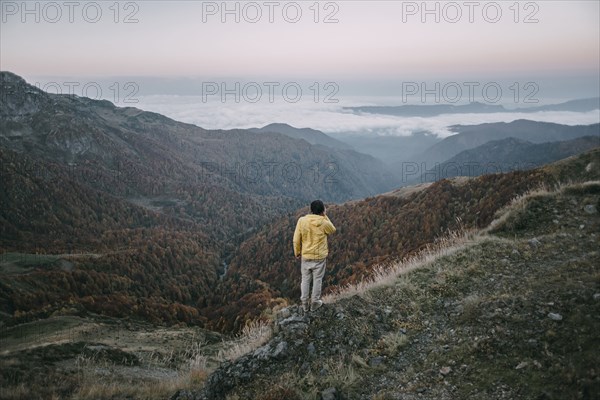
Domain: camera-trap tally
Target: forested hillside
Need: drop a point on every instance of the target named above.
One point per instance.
(377, 230)
(129, 213)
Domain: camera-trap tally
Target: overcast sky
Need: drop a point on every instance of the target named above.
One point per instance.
(383, 39)
(549, 49)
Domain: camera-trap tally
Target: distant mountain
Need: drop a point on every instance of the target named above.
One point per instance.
(471, 136)
(506, 155)
(581, 105)
(144, 209)
(159, 155)
(312, 136)
(432, 110)
(390, 149)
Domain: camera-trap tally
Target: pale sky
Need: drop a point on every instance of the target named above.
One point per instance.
(370, 39)
(159, 55)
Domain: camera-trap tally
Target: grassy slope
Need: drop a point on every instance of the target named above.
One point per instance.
(70, 357)
(482, 312)
(472, 325)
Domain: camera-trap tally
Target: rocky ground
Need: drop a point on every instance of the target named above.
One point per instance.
(515, 315)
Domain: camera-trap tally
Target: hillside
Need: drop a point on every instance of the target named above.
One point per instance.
(471, 136)
(143, 215)
(507, 312)
(148, 154)
(390, 149)
(506, 155)
(374, 231)
(312, 136)
(506, 315)
(139, 212)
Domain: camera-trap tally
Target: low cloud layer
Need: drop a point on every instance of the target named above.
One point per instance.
(331, 118)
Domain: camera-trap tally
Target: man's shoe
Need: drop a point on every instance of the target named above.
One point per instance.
(316, 305)
(304, 308)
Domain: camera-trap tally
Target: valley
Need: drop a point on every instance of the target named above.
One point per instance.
(139, 255)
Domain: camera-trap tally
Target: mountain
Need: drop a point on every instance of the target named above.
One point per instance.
(312, 136)
(580, 105)
(506, 155)
(375, 231)
(524, 295)
(522, 292)
(390, 148)
(373, 173)
(409, 110)
(470, 136)
(136, 212)
(166, 153)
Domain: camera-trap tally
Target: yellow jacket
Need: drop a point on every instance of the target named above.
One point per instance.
(310, 236)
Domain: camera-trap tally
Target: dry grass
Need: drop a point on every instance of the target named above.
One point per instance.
(254, 335)
(390, 343)
(388, 275)
(105, 380)
(337, 372)
(519, 203)
(153, 390)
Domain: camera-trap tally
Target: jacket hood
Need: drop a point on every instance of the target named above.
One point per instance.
(314, 219)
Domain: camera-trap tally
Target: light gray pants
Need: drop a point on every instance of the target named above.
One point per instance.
(314, 269)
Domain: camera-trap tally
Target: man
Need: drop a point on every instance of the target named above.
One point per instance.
(310, 244)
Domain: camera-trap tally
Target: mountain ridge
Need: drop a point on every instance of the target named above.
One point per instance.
(470, 136)
(506, 155)
(312, 136)
(431, 110)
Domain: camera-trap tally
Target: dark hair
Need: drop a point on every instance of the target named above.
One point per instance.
(317, 207)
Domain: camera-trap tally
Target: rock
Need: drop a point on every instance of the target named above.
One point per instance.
(284, 313)
(590, 208)
(263, 352)
(182, 395)
(522, 365)
(311, 349)
(581, 226)
(280, 350)
(294, 325)
(555, 316)
(534, 242)
(445, 370)
(329, 394)
(376, 361)
(266, 351)
(294, 319)
(596, 296)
